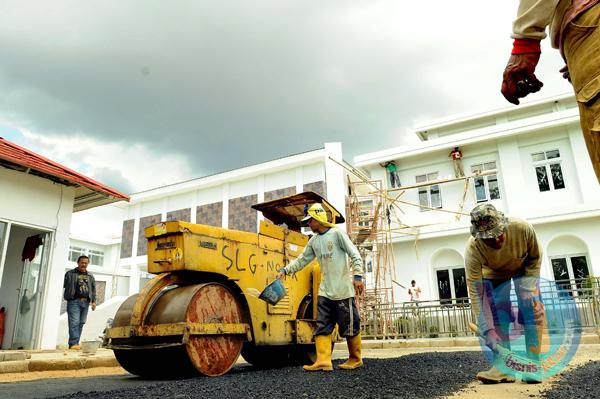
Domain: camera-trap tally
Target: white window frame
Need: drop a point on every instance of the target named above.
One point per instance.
(570, 265)
(76, 250)
(571, 274)
(450, 270)
(364, 212)
(427, 177)
(482, 167)
(547, 163)
(92, 253)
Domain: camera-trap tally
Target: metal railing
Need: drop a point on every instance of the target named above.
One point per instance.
(451, 317)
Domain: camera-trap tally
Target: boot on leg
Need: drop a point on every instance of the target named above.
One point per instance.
(494, 376)
(354, 350)
(323, 362)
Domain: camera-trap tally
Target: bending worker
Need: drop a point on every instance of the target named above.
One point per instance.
(574, 30)
(336, 303)
(499, 250)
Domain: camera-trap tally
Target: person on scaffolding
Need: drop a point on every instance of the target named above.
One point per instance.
(502, 249)
(336, 303)
(392, 170)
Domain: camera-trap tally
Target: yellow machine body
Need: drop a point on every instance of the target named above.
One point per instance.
(250, 261)
(202, 308)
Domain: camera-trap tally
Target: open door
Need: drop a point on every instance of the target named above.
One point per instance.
(30, 291)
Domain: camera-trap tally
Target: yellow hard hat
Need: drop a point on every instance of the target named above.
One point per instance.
(317, 212)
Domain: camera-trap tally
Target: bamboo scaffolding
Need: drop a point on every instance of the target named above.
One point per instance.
(374, 222)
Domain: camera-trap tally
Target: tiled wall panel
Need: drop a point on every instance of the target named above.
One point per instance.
(127, 238)
(142, 244)
(241, 215)
(181, 214)
(210, 214)
(317, 187)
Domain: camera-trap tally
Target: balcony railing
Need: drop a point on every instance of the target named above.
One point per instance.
(451, 317)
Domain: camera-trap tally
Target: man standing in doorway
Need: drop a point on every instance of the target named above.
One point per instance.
(575, 31)
(79, 292)
(335, 303)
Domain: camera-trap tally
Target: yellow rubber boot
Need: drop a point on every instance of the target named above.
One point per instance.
(354, 349)
(323, 363)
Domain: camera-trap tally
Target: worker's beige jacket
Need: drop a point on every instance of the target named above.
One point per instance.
(534, 16)
(520, 255)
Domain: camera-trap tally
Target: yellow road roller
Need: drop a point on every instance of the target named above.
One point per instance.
(202, 309)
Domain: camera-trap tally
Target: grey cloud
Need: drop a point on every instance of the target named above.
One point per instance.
(114, 178)
(225, 83)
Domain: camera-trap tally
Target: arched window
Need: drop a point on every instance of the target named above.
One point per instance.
(451, 279)
(569, 260)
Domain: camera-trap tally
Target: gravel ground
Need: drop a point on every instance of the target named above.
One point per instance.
(581, 382)
(425, 375)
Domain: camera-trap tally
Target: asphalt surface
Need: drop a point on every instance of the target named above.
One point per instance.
(581, 382)
(425, 375)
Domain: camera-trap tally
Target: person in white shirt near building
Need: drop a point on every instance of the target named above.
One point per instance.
(414, 291)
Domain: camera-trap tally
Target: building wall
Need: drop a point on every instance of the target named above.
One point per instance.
(44, 205)
(225, 200)
(432, 254)
(519, 192)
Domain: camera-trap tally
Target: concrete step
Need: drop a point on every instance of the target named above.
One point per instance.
(9, 356)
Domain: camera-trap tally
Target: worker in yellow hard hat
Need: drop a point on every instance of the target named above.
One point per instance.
(339, 285)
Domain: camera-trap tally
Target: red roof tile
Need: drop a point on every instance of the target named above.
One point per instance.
(29, 159)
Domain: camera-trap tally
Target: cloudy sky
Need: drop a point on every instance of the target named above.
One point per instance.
(138, 94)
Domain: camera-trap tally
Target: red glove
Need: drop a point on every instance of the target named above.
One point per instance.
(519, 79)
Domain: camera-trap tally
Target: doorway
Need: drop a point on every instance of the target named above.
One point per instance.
(23, 271)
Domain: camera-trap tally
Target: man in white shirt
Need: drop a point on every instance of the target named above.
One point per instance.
(414, 291)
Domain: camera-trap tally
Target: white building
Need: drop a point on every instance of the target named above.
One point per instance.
(540, 171)
(225, 200)
(39, 197)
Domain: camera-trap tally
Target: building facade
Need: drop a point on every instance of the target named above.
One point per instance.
(533, 164)
(224, 200)
(39, 199)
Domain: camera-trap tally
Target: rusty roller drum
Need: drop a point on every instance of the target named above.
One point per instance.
(211, 355)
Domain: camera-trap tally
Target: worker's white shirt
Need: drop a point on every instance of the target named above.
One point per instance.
(415, 293)
(330, 249)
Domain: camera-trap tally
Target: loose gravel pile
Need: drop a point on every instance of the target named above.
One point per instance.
(581, 382)
(426, 375)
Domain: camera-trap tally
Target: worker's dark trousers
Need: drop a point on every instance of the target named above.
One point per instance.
(394, 179)
(343, 313)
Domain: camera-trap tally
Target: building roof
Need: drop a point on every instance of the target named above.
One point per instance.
(274, 165)
(507, 122)
(88, 192)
